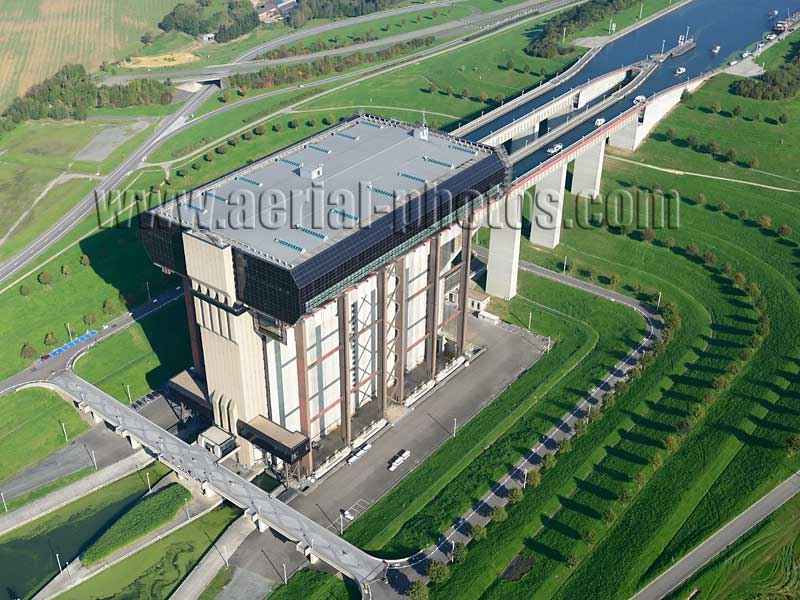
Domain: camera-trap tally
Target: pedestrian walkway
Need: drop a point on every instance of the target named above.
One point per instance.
(215, 559)
(76, 573)
(63, 496)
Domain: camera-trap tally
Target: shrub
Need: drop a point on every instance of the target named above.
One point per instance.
(418, 591)
(478, 532)
(28, 351)
(89, 319)
(50, 339)
(108, 306)
(438, 572)
(459, 552)
(45, 278)
(24, 290)
(150, 513)
(65, 270)
(498, 514)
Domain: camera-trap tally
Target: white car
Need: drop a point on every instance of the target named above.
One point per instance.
(555, 149)
(599, 122)
(733, 63)
(772, 36)
(639, 99)
(348, 515)
(746, 53)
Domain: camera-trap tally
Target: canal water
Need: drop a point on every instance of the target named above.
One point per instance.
(27, 564)
(734, 25)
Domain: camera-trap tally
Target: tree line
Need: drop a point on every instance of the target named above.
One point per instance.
(239, 18)
(574, 19)
(282, 74)
(70, 92)
(331, 9)
(782, 83)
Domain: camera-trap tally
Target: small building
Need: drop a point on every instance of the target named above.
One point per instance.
(207, 37)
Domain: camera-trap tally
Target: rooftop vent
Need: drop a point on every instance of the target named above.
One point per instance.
(311, 172)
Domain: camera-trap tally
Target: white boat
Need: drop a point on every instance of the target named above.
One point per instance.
(680, 70)
(639, 99)
(599, 122)
(715, 49)
(555, 149)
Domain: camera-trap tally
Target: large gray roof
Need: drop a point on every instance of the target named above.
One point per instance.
(268, 207)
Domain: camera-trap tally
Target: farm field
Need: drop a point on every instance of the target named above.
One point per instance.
(33, 32)
(144, 356)
(157, 570)
(27, 554)
(30, 427)
(763, 564)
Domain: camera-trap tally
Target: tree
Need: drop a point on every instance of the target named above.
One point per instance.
(28, 351)
(595, 414)
(614, 280)
(498, 514)
(180, 173)
(510, 64)
(709, 258)
(700, 199)
(765, 221)
(670, 134)
(221, 149)
(45, 278)
(692, 141)
(691, 249)
(225, 96)
(721, 382)
(785, 230)
(418, 591)
(648, 235)
(85, 261)
(534, 479)
(686, 95)
(277, 127)
(89, 319)
(571, 561)
(515, 496)
(590, 536)
(793, 443)
(24, 290)
(609, 515)
(655, 461)
(108, 306)
(737, 111)
(247, 136)
(739, 279)
(196, 166)
(715, 107)
(259, 130)
(713, 147)
(478, 532)
(329, 120)
(438, 572)
(784, 118)
(753, 163)
(311, 122)
(459, 552)
(146, 38)
(548, 461)
(232, 142)
(209, 157)
(50, 339)
(731, 155)
(670, 242)
(464, 94)
(450, 90)
(483, 97)
(294, 124)
(744, 214)
(670, 443)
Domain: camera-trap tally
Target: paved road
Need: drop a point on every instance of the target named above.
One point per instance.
(720, 540)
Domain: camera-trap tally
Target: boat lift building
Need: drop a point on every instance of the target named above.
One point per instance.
(316, 281)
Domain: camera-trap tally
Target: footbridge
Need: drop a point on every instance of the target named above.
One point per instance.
(193, 462)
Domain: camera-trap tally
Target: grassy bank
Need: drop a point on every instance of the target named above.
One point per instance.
(30, 428)
(150, 513)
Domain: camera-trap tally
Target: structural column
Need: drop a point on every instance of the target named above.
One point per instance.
(463, 290)
(548, 208)
(432, 315)
(505, 226)
(301, 360)
(344, 367)
(382, 335)
(400, 323)
(194, 334)
(588, 170)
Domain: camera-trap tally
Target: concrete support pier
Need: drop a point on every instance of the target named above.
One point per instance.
(548, 208)
(588, 171)
(505, 222)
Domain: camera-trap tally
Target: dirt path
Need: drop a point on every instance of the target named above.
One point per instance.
(704, 176)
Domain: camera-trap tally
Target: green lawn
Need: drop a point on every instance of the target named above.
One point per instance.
(144, 356)
(43, 491)
(773, 144)
(626, 18)
(375, 30)
(30, 427)
(156, 571)
(221, 579)
(481, 67)
(309, 584)
(763, 564)
(151, 512)
(27, 554)
(781, 52)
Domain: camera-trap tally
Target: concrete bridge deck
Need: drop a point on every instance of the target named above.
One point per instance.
(191, 461)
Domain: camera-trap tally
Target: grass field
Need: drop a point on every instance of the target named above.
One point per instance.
(34, 32)
(27, 555)
(30, 427)
(479, 68)
(150, 513)
(309, 584)
(156, 571)
(23, 499)
(626, 18)
(144, 356)
(763, 564)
